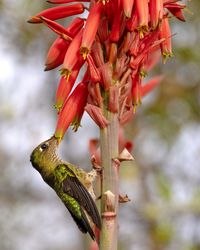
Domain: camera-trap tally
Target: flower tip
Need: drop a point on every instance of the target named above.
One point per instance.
(42, 18)
(166, 55)
(34, 19)
(134, 109)
(84, 52)
(47, 68)
(142, 31)
(66, 73)
(58, 106)
(59, 136)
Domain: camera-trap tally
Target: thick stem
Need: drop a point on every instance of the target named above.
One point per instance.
(110, 183)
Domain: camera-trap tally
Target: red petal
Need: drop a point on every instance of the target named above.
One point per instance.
(94, 72)
(76, 102)
(58, 12)
(56, 53)
(72, 55)
(90, 29)
(66, 1)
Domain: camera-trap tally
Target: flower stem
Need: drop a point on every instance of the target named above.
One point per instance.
(110, 182)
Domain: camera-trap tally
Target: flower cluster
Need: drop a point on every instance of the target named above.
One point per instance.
(118, 44)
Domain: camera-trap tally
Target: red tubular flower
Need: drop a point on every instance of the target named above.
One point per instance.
(106, 75)
(165, 33)
(62, 92)
(57, 28)
(116, 24)
(132, 23)
(72, 55)
(65, 87)
(120, 67)
(97, 54)
(57, 51)
(128, 41)
(176, 9)
(135, 45)
(103, 31)
(90, 29)
(113, 104)
(94, 72)
(128, 6)
(95, 94)
(156, 12)
(56, 54)
(75, 26)
(58, 12)
(66, 1)
(142, 12)
(136, 91)
(96, 114)
(72, 110)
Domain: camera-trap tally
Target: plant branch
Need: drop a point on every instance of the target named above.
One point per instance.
(110, 182)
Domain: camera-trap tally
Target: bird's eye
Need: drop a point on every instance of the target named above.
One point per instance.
(43, 146)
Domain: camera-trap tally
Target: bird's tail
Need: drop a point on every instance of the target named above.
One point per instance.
(83, 223)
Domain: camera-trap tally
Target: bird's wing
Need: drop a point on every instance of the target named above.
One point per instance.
(73, 187)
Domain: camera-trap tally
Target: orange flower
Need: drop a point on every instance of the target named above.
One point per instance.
(72, 110)
(75, 26)
(66, 1)
(175, 9)
(128, 6)
(72, 55)
(90, 29)
(136, 91)
(156, 12)
(165, 33)
(94, 72)
(142, 11)
(58, 12)
(57, 28)
(65, 87)
(117, 22)
(56, 53)
(96, 114)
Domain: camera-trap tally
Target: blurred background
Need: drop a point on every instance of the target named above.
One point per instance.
(163, 183)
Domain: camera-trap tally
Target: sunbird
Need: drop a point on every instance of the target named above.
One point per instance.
(72, 184)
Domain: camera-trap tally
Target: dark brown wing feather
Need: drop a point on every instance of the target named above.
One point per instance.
(73, 187)
(83, 224)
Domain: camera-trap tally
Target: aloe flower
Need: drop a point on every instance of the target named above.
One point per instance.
(114, 47)
(58, 12)
(58, 49)
(72, 110)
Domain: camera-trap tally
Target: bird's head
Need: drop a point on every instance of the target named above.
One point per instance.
(44, 156)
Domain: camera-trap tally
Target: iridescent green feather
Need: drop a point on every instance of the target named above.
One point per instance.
(70, 184)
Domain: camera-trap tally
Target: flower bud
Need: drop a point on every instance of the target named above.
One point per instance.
(72, 110)
(90, 28)
(58, 12)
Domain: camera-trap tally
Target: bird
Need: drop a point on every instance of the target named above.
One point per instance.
(72, 184)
